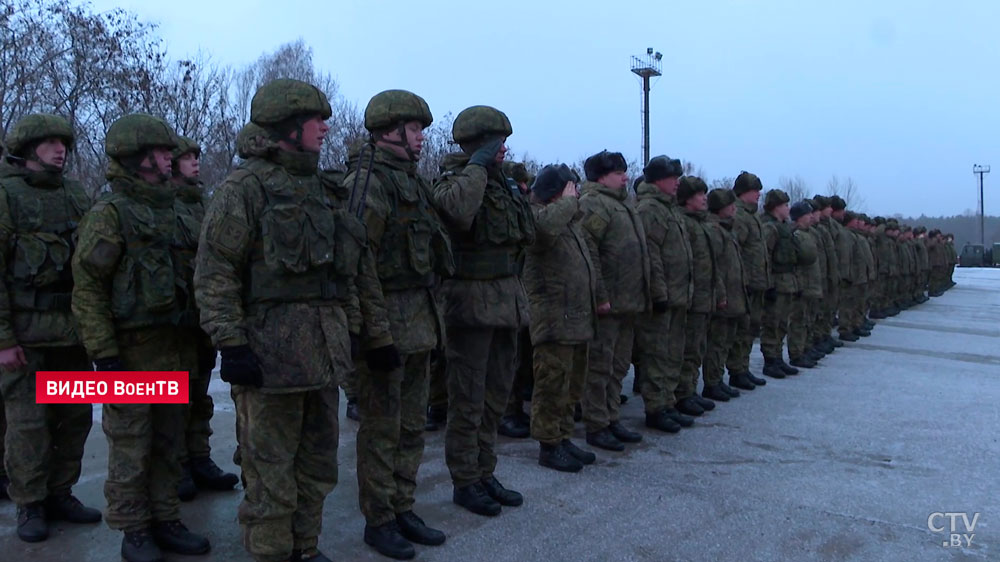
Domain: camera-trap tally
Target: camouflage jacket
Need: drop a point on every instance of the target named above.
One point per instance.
(709, 291)
(284, 267)
(559, 276)
(824, 231)
(864, 257)
(749, 231)
(671, 279)
(808, 272)
(729, 265)
(848, 256)
(409, 244)
(888, 253)
(489, 225)
(618, 248)
(779, 241)
(39, 214)
(920, 246)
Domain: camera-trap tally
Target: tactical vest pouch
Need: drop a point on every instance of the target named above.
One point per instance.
(486, 265)
(188, 230)
(284, 238)
(419, 238)
(40, 258)
(155, 271)
(123, 293)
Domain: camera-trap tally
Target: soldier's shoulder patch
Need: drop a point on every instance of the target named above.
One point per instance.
(232, 234)
(595, 223)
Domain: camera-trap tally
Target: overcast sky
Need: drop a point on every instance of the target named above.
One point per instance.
(902, 96)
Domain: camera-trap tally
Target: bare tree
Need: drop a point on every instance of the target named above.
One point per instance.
(847, 190)
(795, 187)
(722, 183)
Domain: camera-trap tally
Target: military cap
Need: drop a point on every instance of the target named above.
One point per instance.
(800, 209)
(662, 167)
(920, 230)
(838, 203)
(720, 198)
(551, 180)
(516, 171)
(746, 182)
(775, 198)
(820, 202)
(602, 164)
(688, 186)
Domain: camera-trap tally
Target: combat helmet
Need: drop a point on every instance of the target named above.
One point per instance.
(132, 136)
(283, 99)
(390, 108)
(34, 128)
(480, 122)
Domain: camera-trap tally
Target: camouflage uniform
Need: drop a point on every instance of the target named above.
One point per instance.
(484, 302)
(708, 294)
(778, 305)
(809, 280)
(618, 252)
(749, 231)
(131, 312)
(411, 251)
(39, 213)
(560, 281)
(827, 232)
(853, 278)
(727, 321)
(661, 336)
(285, 269)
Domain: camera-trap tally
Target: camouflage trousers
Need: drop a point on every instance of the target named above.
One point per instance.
(939, 277)
(852, 307)
(738, 360)
(438, 385)
(830, 304)
(201, 408)
(349, 384)
(44, 442)
(288, 444)
(390, 437)
(661, 344)
(560, 371)
(522, 376)
(145, 440)
(800, 325)
(608, 360)
(480, 373)
(722, 332)
(774, 325)
(695, 346)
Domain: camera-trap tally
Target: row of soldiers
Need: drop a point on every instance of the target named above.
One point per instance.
(299, 276)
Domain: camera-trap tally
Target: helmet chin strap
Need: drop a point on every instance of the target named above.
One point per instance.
(137, 166)
(403, 143)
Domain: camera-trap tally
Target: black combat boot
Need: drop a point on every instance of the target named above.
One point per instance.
(732, 392)
(834, 343)
(312, 555)
(584, 456)
(67, 508)
(388, 541)
(861, 332)
(624, 434)
(517, 426)
(848, 336)
(415, 530)
(557, 458)
(31, 523)
(705, 403)
(173, 536)
(868, 325)
(139, 546)
(741, 381)
(353, 413)
(577, 413)
(622, 399)
(772, 368)
(208, 476)
(690, 407)
(603, 439)
(4, 482)
(814, 354)
(789, 370)
(803, 362)
(661, 421)
(716, 393)
(877, 314)
(679, 418)
(502, 495)
(474, 498)
(437, 417)
(757, 381)
(186, 490)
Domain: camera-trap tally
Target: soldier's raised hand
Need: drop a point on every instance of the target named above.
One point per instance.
(12, 358)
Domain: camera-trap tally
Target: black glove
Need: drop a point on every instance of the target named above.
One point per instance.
(659, 307)
(384, 359)
(771, 295)
(206, 361)
(109, 364)
(355, 346)
(486, 154)
(240, 366)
